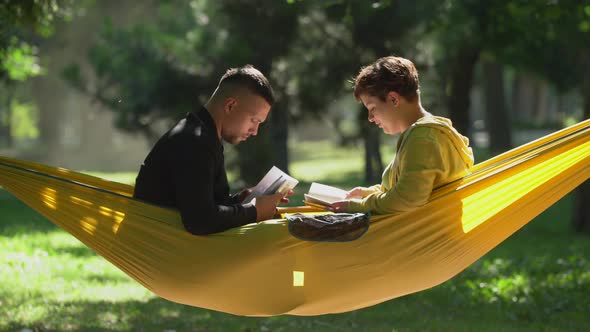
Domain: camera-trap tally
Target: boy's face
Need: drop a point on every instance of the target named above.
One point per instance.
(243, 118)
(382, 113)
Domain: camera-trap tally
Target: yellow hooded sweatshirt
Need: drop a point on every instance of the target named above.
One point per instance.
(430, 153)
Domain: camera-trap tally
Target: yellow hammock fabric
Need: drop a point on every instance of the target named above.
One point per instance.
(262, 270)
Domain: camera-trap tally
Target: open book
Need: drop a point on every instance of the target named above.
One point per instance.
(321, 194)
(273, 182)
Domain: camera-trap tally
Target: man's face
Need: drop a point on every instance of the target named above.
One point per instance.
(243, 118)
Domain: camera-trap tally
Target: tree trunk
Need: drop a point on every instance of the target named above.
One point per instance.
(373, 162)
(517, 87)
(279, 131)
(542, 104)
(5, 130)
(581, 218)
(461, 80)
(523, 98)
(371, 140)
(535, 102)
(497, 120)
(6, 120)
(581, 211)
(49, 97)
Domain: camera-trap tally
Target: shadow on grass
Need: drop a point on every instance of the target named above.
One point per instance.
(78, 251)
(18, 218)
(105, 279)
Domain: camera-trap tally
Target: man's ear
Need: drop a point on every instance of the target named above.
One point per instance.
(229, 104)
(393, 97)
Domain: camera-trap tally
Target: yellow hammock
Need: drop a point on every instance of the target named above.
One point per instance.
(262, 270)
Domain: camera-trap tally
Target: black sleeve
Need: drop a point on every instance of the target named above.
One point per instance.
(235, 198)
(193, 173)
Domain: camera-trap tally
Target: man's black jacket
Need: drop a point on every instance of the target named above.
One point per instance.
(185, 170)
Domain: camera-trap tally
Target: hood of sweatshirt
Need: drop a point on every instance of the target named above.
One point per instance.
(446, 126)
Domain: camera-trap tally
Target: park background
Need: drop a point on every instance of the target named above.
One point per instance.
(90, 85)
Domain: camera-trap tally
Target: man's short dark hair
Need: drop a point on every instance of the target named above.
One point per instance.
(251, 79)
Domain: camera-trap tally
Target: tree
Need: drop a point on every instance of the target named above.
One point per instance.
(264, 30)
(159, 71)
(581, 217)
(559, 37)
(21, 25)
(497, 120)
(457, 30)
(338, 38)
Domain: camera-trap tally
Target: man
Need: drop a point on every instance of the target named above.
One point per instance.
(185, 169)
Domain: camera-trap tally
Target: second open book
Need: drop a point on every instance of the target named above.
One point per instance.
(319, 195)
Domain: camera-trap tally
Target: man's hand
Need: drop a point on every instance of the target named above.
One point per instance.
(266, 206)
(355, 193)
(285, 199)
(243, 194)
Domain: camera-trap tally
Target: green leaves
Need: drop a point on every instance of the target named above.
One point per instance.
(19, 21)
(24, 120)
(20, 61)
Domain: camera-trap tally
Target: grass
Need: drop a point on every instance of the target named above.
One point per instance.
(537, 280)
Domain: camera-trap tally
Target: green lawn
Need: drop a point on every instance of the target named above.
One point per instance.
(537, 280)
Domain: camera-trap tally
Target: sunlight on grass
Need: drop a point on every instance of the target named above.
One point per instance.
(320, 171)
(122, 177)
(513, 288)
(322, 162)
(42, 270)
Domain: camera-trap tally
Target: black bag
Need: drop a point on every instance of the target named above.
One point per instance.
(336, 227)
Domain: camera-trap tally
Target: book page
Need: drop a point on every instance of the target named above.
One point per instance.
(273, 182)
(317, 200)
(324, 194)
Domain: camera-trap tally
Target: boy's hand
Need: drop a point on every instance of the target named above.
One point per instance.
(339, 206)
(355, 193)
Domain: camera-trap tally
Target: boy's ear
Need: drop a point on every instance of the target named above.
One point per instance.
(393, 97)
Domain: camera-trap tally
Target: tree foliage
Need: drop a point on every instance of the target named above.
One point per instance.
(21, 22)
(170, 65)
(165, 67)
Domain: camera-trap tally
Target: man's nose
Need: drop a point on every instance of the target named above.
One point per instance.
(371, 117)
(255, 131)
